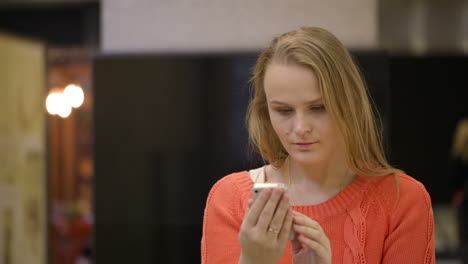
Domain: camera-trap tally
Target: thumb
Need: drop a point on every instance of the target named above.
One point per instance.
(296, 245)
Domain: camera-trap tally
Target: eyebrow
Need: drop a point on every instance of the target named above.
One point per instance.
(309, 102)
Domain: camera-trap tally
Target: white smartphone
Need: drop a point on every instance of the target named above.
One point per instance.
(258, 187)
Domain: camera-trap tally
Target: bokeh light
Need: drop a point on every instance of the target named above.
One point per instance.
(74, 95)
(60, 102)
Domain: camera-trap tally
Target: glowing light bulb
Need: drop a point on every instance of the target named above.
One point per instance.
(53, 103)
(74, 95)
(65, 109)
(57, 104)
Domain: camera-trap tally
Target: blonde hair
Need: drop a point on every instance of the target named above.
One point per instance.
(344, 95)
(460, 140)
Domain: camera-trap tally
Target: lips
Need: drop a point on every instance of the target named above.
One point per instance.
(305, 143)
(304, 146)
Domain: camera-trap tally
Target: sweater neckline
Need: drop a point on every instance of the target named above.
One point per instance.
(335, 205)
(338, 203)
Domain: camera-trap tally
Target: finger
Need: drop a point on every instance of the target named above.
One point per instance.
(315, 234)
(280, 213)
(318, 248)
(299, 215)
(287, 226)
(249, 203)
(301, 219)
(310, 228)
(256, 209)
(307, 231)
(296, 245)
(268, 211)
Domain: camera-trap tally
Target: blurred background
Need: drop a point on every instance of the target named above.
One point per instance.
(118, 116)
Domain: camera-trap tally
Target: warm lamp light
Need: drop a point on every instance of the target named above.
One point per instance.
(74, 95)
(56, 104)
(53, 103)
(61, 102)
(64, 108)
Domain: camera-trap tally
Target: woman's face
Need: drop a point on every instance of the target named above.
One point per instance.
(298, 115)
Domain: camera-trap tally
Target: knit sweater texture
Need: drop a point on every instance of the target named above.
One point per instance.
(373, 220)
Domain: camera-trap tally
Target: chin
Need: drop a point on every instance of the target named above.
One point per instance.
(307, 158)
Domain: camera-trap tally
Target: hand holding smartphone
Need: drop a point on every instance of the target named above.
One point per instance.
(258, 187)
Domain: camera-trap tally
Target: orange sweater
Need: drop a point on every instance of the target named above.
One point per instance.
(368, 222)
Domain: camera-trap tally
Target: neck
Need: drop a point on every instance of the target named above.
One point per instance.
(325, 178)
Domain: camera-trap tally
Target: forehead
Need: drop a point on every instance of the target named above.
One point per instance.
(291, 83)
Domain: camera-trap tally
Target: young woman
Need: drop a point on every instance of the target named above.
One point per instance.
(312, 121)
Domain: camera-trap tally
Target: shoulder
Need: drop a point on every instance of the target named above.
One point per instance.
(401, 180)
(409, 223)
(228, 196)
(400, 192)
(234, 184)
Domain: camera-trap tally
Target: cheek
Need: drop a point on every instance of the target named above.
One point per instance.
(330, 131)
(326, 129)
(279, 126)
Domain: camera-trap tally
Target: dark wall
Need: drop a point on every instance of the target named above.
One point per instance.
(429, 95)
(56, 24)
(162, 131)
(166, 129)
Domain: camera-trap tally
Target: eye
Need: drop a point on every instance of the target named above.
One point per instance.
(317, 108)
(283, 111)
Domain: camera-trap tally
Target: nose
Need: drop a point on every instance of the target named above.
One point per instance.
(301, 126)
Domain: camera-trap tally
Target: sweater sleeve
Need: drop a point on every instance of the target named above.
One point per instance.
(221, 223)
(410, 236)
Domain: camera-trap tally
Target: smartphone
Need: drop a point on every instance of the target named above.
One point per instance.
(258, 187)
